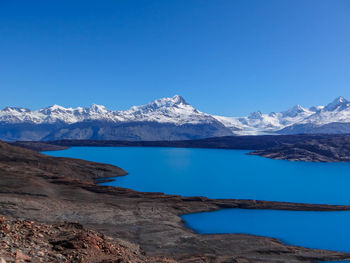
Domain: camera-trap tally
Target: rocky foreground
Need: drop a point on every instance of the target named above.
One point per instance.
(38, 193)
(27, 241)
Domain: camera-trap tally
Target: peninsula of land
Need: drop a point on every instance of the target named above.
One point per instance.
(49, 191)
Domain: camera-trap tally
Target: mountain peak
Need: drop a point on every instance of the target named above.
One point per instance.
(18, 109)
(179, 100)
(56, 107)
(341, 99)
(294, 111)
(256, 115)
(53, 108)
(98, 108)
(339, 103)
(163, 103)
(169, 102)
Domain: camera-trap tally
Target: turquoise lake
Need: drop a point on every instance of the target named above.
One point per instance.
(219, 173)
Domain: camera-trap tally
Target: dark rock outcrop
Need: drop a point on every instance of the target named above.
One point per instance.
(327, 149)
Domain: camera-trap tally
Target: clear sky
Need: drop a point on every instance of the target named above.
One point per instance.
(224, 57)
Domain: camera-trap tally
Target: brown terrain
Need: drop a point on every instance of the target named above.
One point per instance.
(40, 194)
(27, 241)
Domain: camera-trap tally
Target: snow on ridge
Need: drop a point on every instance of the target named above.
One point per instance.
(177, 111)
(165, 110)
(260, 123)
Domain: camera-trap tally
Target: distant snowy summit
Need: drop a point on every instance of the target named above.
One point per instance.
(166, 119)
(332, 118)
(166, 110)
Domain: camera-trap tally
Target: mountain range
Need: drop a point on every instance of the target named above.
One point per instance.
(166, 119)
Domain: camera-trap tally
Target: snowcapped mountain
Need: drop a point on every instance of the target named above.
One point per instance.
(336, 111)
(166, 119)
(166, 110)
(163, 119)
(259, 123)
(332, 118)
(53, 114)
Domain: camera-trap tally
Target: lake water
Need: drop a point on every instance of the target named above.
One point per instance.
(327, 230)
(219, 173)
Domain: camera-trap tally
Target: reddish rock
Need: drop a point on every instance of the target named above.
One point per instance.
(20, 257)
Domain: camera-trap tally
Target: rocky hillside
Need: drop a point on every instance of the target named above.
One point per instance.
(27, 241)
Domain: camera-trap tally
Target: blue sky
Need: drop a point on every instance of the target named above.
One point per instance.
(225, 57)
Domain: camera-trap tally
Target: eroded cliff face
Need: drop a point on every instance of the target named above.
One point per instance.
(50, 190)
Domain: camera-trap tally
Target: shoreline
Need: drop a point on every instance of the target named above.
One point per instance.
(230, 203)
(50, 190)
(303, 147)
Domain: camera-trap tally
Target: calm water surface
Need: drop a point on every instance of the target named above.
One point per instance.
(232, 174)
(326, 230)
(222, 174)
